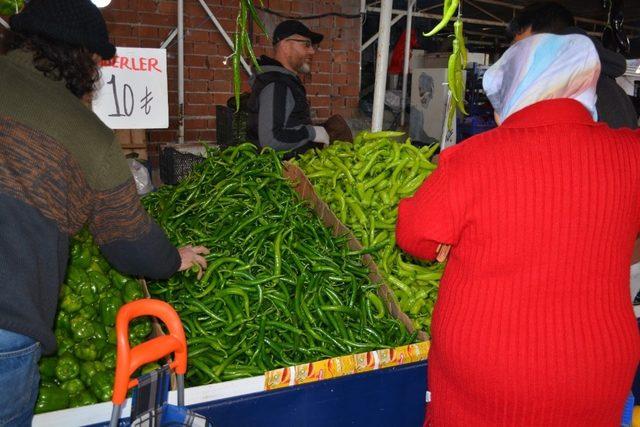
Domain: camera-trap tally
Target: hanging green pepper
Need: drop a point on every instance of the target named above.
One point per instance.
(67, 368)
(51, 398)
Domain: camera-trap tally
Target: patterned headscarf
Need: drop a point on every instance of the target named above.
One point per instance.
(544, 66)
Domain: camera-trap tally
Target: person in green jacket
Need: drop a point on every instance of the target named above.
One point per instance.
(61, 169)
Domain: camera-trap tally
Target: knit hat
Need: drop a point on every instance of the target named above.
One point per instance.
(77, 22)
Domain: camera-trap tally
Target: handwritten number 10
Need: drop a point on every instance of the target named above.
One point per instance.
(127, 99)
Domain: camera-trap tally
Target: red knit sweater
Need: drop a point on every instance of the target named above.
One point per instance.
(533, 325)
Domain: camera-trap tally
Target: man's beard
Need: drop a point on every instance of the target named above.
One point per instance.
(305, 68)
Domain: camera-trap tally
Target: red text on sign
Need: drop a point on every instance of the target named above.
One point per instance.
(133, 63)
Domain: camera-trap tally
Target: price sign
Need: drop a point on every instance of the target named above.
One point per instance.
(133, 90)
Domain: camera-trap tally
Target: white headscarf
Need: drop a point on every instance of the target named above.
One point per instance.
(544, 66)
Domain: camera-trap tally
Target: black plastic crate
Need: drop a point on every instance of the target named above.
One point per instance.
(174, 165)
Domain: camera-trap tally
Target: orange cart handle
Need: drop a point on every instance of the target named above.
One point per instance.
(128, 360)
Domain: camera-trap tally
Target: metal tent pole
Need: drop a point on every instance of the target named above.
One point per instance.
(405, 69)
(4, 23)
(180, 71)
(382, 61)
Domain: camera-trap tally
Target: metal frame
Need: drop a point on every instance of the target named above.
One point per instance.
(4, 23)
(179, 32)
(386, 11)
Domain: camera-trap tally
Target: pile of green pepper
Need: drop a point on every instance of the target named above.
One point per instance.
(363, 183)
(82, 370)
(279, 289)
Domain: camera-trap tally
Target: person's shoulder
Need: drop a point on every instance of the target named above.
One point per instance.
(472, 147)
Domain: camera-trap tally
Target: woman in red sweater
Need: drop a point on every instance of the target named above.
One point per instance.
(533, 325)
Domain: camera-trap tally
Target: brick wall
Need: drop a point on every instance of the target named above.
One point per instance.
(332, 87)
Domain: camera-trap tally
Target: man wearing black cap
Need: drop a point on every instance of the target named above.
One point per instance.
(60, 169)
(279, 113)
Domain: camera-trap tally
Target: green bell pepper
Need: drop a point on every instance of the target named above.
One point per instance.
(99, 337)
(82, 257)
(102, 385)
(109, 359)
(88, 291)
(47, 368)
(109, 307)
(62, 321)
(83, 398)
(99, 280)
(102, 263)
(85, 351)
(67, 368)
(87, 371)
(117, 279)
(51, 398)
(75, 276)
(141, 328)
(73, 386)
(81, 328)
(71, 302)
(131, 291)
(111, 335)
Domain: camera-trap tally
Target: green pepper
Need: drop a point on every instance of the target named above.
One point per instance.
(67, 368)
(109, 307)
(88, 291)
(117, 279)
(83, 398)
(111, 335)
(101, 263)
(140, 328)
(81, 328)
(88, 370)
(99, 280)
(65, 346)
(109, 359)
(82, 257)
(149, 367)
(51, 398)
(99, 338)
(47, 367)
(131, 291)
(85, 351)
(102, 385)
(89, 312)
(73, 386)
(75, 276)
(71, 302)
(62, 321)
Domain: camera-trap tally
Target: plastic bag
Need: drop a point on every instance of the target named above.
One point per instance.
(140, 176)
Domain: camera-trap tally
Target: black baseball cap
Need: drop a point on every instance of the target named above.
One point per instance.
(77, 22)
(291, 27)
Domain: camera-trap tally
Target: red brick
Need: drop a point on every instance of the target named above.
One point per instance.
(169, 8)
(195, 123)
(199, 110)
(196, 85)
(144, 5)
(207, 135)
(197, 35)
(199, 98)
(198, 61)
(207, 48)
(148, 32)
(117, 30)
(157, 19)
(349, 90)
(200, 73)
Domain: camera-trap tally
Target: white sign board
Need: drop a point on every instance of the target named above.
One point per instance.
(133, 91)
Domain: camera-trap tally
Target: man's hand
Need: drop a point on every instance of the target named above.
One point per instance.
(442, 252)
(190, 256)
(338, 129)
